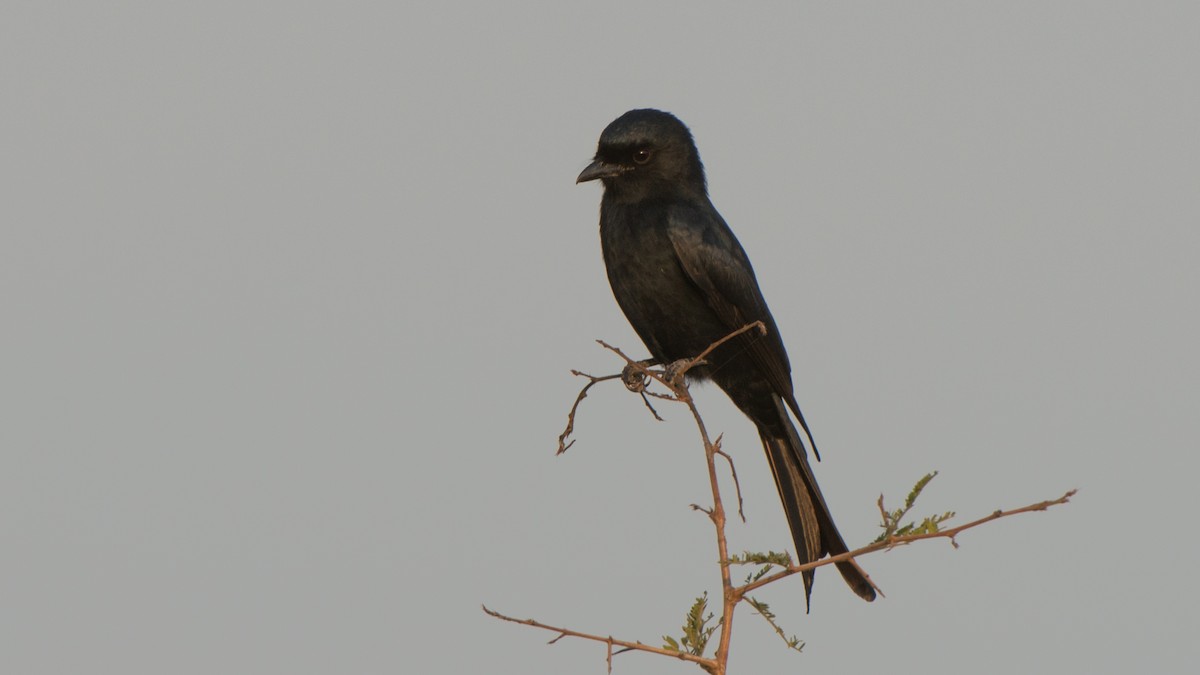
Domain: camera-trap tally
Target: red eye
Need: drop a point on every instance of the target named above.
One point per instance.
(641, 156)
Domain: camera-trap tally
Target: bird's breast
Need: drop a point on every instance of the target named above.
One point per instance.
(662, 303)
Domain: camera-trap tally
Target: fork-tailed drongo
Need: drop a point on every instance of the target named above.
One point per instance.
(684, 282)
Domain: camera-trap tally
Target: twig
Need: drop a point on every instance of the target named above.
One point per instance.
(904, 540)
(648, 406)
(762, 328)
(883, 513)
(733, 471)
(608, 640)
(592, 380)
(995, 515)
(765, 612)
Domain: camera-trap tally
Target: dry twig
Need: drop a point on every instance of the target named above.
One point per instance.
(671, 377)
(607, 639)
(592, 381)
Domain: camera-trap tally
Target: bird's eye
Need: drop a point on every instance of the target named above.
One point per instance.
(641, 156)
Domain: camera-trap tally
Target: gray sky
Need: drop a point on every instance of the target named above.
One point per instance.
(291, 292)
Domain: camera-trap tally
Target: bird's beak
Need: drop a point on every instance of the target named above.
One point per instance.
(599, 169)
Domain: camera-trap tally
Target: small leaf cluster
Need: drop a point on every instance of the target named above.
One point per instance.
(891, 520)
(696, 630)
(768, 560)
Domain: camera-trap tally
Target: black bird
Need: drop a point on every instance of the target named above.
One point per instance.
(684, 282)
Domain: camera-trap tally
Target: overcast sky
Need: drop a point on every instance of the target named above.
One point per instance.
(291, 293)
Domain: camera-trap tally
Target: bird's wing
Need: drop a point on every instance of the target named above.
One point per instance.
(714, 261)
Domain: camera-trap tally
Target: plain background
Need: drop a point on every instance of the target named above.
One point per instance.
(291, 292)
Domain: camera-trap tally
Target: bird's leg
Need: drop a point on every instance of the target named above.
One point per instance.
(634, 376)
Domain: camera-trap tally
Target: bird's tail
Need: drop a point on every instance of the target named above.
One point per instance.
(812, 527)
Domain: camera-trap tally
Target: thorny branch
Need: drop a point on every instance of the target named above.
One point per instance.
(636, 376)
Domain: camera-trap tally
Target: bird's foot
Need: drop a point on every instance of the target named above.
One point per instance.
(634, 377)
(674, 371)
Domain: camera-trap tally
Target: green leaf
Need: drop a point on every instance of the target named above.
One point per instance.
(696, 629)
(762, 572)
(891, 523)
(765, 612)
(916, 491)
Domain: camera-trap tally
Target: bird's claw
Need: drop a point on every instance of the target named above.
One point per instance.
(674, 371)
(634, 377)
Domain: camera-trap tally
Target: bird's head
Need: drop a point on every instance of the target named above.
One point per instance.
(646, 153)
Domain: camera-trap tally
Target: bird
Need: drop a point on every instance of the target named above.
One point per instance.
(684, 281)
